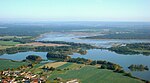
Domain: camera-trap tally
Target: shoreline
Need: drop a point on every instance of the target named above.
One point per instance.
(84, 38)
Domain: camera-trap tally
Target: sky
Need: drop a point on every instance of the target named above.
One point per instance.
(75, 10)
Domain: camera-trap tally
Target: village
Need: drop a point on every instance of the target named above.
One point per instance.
(10, 76)
(26, 77)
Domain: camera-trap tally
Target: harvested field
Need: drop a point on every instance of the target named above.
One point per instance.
(55, 64)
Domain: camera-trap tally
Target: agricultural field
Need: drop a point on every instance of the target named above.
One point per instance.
(89, 74)
(8, 43)
(5, 64)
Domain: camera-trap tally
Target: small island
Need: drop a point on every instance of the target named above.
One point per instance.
(138, 67)
(34, 58)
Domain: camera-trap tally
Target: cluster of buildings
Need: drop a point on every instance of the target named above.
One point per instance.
(20, 76)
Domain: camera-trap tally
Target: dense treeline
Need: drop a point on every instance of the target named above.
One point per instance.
(135, 48)
(79, 60)
(109, 65)
(16, 50)
(103, 64)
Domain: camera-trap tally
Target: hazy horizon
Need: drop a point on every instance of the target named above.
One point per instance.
(75, 10)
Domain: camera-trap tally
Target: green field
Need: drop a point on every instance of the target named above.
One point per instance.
(91, 74)
(10, 37)
(8, 43)
(5, 64)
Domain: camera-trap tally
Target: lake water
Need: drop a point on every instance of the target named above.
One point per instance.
(22, 55)
(94, 54)
(74, 37)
